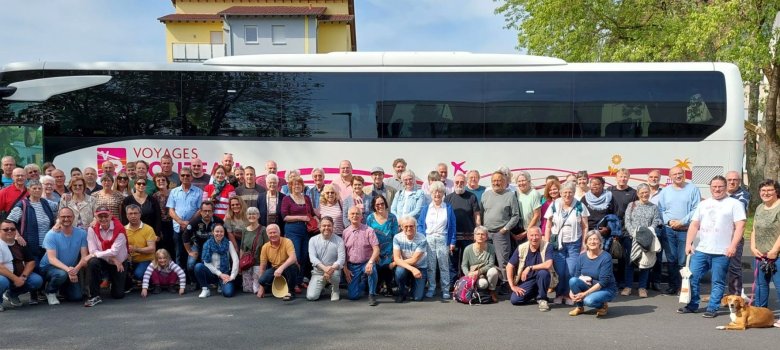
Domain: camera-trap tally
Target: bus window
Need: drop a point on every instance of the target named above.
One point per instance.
(23, 142)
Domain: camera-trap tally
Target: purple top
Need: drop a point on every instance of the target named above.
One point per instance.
(359, 243)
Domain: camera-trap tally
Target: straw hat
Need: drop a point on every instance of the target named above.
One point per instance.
(279, 287)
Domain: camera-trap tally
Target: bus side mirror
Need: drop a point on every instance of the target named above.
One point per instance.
(7, 91)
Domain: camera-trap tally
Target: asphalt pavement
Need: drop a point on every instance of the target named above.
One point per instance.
(169, 321)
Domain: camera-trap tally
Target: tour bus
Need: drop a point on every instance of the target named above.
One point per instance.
(469, 111)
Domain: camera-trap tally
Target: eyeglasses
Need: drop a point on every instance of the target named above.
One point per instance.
(77, 186)
(407, 226)
(185, 175)
(123, 178)
(9, 229)
(33, 171)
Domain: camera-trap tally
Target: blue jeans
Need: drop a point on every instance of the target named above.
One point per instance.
(404, 278)
(596, 299)
(33, 282)
(628, 277)
(296, 232)
(673, 243)
(290, 274)
(205, 277)
(357, 286)
(140, 268)
(762, 286)
(564, 260)
(438, 254)
(700, 264)
(58, 280)
(535, 288)
(192, 261)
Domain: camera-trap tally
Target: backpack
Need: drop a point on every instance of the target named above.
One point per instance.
(466, 292)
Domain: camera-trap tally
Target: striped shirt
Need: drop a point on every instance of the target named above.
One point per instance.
(171, 267)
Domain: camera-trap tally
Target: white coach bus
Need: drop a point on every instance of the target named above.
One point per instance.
(471, 111)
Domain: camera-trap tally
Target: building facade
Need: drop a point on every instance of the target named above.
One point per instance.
(202, 29)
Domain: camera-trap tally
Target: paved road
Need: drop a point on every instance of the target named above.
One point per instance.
(171, 322)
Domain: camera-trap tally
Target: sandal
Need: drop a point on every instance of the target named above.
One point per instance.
(777, 324)
(287, 297)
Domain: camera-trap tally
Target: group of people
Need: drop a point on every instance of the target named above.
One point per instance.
(386, 235)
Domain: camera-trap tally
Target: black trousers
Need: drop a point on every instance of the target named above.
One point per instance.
(97, 268)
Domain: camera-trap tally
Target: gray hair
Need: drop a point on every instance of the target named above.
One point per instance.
(524, 174)
(252, 210)
(271, 177)
(642, 186)
(317, 170)
(130, 207)
(185, 169)
(481, 228)
(592, 233)
(291, 173)
(32, 183)
(407, 219)
(47, 178)
(408, 172)
(571, 186)
(30, 166)
(436, 186)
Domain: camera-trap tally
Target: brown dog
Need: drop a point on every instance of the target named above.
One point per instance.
(745, 316)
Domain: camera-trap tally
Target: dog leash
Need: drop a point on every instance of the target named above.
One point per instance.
(753, 287)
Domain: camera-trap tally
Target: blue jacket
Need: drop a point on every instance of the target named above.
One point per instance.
(451, 227)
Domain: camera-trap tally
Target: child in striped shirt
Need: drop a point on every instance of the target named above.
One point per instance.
(163, 273)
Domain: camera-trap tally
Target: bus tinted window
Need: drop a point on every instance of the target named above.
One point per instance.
(331, 105)
(432, 105)
(650, 105)
(231, 104)
(528, 105)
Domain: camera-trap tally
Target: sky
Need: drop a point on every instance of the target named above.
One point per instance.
(128, 30)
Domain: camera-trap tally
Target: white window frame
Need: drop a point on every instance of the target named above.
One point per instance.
(246, 36)
(281, 30)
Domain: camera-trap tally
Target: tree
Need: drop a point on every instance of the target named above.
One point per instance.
(738, 31)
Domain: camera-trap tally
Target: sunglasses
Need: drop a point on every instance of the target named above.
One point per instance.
(123, 178)
(140, 183)
(185, 175)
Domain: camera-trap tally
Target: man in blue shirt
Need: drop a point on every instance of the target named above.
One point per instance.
(64, 243)
(183, 204)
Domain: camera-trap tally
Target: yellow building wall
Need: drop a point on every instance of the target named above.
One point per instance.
(209, 7)
(188, 32)
(333, 37)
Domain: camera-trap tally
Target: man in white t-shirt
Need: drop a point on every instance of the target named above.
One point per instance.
(718, 222)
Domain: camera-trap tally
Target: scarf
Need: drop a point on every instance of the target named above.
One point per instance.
(218, 187)
(223, 249)
(598, 203)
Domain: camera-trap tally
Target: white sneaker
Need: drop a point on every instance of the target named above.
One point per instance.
(204, 293)
(334, 296)
(52, 299)
(558, 300)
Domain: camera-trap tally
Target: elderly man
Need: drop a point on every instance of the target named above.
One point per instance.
(16, 266)
(467, 216)
(90, 177)
(9, 164)
(166, 164)
(199, 177)
(735, 190)
(344, 183)
(676, 204)
(378, 186)
(61, 265)
(362, 250)
(277, 258)
(249, 191)
(183, 205)
(270, 168)
(327, 254)
(530, 268)
(410, 260)
(399, 166)
(501, 214)
(108, 167)
(59, 182)
(443, 171)
(10, 195)
(108, 254)
(33, 171)
(315, 190)
(718, 222)
(479, 262)
(530, 203)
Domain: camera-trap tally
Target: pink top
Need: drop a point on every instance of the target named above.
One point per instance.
(359, 243)
(118, 249)
(335, 212)
(289, 207)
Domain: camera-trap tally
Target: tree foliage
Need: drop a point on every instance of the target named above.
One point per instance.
(737, 31)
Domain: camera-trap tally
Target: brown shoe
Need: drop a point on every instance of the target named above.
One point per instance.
(602, 311)
(493, 296)
(625, 292)
(577, 311)
(642, 293)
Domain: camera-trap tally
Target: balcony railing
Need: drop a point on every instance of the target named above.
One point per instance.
(196, 52)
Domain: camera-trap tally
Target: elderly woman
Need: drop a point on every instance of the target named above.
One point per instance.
(409, 201)
(270, 202)
(48, 189)
(219, 192)
(358, 199)
(219, 264)
(765, 241)
(641, 213)
(385, 226)
(235, 220)
(297, 210)
(599, 204)
(582, 185)
(254, 237)
(593, 283)
(552, 191)
(567, 220)
(150, 208)
(83, 206)
(437, 223)
(122, 184)
(34, 216)
(161, 196)
(288, 177)
(107, 196)
(330, 205)
(479, 262)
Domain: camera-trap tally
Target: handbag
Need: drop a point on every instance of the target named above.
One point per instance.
(313, 225)
(685, 288)
(248, 260)
(616, 249)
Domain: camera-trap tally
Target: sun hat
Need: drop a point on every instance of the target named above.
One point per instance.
(279, 287)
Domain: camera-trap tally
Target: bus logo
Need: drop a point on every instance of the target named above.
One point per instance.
(118, 156)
